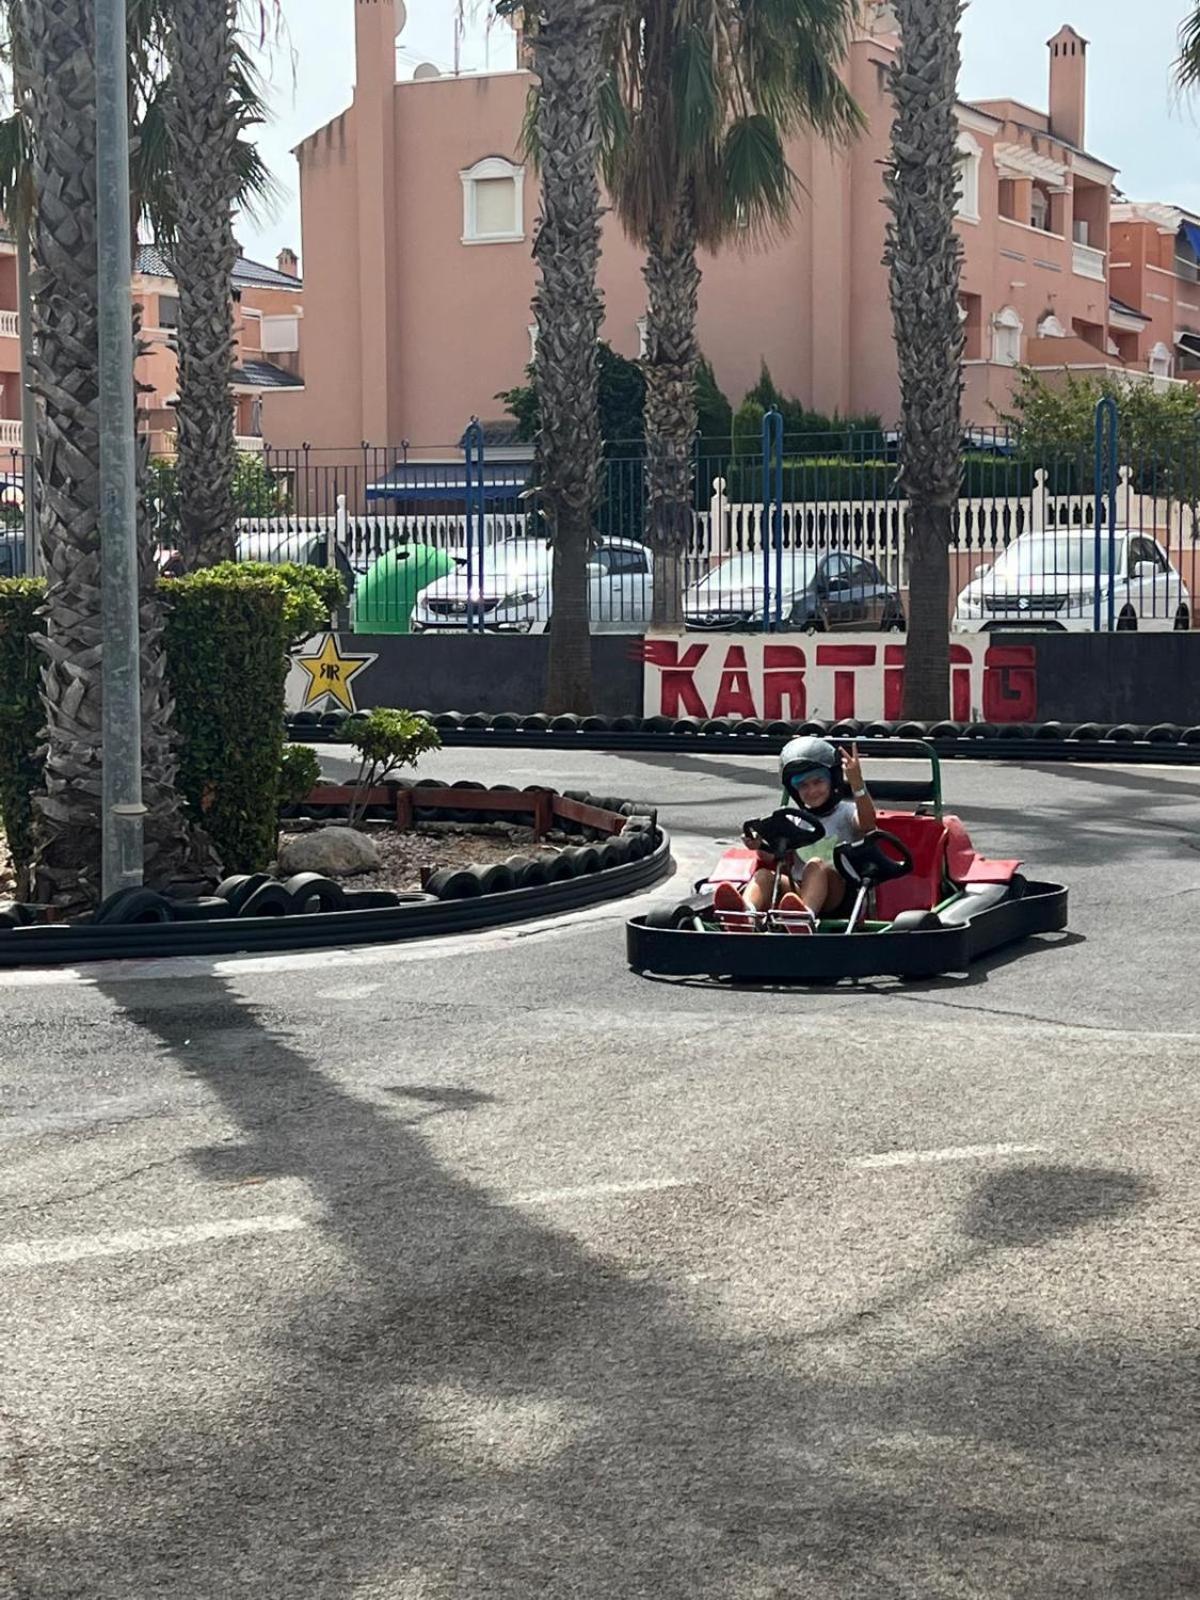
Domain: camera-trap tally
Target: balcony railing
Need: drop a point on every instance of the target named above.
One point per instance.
(1089, 263)
(10, 325)
(10, 435)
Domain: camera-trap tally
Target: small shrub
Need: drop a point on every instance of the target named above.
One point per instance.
(299, 773)
(21, 715)
(386, 740)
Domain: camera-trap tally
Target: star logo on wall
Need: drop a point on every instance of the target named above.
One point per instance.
(331, 673)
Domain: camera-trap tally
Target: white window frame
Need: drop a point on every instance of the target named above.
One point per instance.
(1050, 327)
(1007, 328)
(532, 330)
(643, 326)
(970, 165)
(492, 167)
(1039, 201)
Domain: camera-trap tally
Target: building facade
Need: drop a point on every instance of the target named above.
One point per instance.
(418, 213)
(267, 324)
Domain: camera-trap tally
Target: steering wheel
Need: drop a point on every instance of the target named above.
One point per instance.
(877, 857)
(786, 830)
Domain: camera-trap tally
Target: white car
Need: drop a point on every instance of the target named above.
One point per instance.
(513, 594)
(1054, 580)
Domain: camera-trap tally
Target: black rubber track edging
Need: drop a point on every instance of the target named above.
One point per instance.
(61, 944)
(1017, 743)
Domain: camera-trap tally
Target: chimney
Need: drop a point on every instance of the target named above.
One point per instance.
(288, 263)
(1068, 86)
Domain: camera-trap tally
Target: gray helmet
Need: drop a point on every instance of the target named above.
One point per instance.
(801, 757)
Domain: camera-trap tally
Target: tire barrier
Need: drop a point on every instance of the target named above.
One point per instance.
(1164, 743)
(254, 912)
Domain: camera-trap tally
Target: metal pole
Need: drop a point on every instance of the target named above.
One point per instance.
(28, 403)
(121, 753)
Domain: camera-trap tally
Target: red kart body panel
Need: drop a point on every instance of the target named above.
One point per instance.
(942, 853)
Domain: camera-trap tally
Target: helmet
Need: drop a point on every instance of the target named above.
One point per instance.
(801, 757)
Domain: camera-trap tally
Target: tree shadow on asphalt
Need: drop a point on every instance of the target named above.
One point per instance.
(472, 1404)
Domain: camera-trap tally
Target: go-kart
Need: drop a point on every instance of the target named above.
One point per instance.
(924, 900)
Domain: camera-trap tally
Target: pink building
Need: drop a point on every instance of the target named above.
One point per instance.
(267, 320)
(268, 316)
(1155, 273)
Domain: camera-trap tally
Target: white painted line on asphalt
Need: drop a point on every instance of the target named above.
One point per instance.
(82, 1246)
(595, 1191)
(965, 1152)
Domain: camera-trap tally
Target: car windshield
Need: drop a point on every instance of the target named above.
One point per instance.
(1055, 557)
(746, 572)
(502, 563)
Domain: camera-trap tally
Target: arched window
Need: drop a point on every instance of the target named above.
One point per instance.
(1006, 337)
(970, 155)
(1050, 327)
(1039, 209)
(493, 202)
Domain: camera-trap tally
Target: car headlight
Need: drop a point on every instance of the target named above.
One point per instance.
(517, 602)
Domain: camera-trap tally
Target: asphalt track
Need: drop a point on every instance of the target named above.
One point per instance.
(486, 1268)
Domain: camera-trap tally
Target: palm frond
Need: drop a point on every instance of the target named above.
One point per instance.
(1187, 67)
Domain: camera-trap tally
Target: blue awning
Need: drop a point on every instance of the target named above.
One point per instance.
(1191, 232)
(447, 481)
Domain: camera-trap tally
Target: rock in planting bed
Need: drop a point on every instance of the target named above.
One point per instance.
(404, 856)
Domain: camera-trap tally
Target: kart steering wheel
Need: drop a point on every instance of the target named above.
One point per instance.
(877, 857)
(786, 830)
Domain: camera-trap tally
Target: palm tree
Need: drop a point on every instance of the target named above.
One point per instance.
(565, 38)
(1187, 68)
(924, 255)
(210, 100)
(701, 99)
(55, 42)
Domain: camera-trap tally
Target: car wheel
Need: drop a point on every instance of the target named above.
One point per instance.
(1183, 620)
(1127, 621)
(813, 625)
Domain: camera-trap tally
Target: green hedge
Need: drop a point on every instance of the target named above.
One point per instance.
(815, 478)
(227, 636)
(21, 717)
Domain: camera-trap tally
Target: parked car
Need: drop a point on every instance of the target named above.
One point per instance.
(1054, 579)
(819, 592)
(513, 592)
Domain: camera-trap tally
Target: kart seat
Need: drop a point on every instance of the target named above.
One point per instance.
(920, 889)
(964, 865)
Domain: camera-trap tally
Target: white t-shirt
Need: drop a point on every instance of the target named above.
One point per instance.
(841, 827)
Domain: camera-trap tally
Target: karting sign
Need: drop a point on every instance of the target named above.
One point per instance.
(857, 676)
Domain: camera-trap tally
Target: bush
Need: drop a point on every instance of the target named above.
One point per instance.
(21, 716)
(299, 773)
(227, 637)
(386, 740)
(819, 478)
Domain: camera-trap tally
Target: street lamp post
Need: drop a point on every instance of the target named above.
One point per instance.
(121, 722)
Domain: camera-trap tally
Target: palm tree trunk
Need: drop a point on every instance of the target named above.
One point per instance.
(57, 46)
(924, 255)
(204, 133)
(58, 59)
(673, 287)
(568, 310)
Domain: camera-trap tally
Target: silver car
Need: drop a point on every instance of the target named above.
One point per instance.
(1058, 579)
(513, 592)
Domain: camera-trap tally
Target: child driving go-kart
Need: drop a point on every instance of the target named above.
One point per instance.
(795, 879)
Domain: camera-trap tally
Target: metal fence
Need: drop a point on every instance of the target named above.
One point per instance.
(782, 533)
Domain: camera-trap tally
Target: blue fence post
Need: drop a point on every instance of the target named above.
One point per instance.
(476, 502)
(772, 524)
(1108, 423)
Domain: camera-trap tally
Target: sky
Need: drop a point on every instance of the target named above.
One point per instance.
(1136, 121)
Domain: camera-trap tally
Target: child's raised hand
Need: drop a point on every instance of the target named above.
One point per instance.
(852, 767)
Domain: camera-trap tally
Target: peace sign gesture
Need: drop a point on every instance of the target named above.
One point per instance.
(852, 767)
